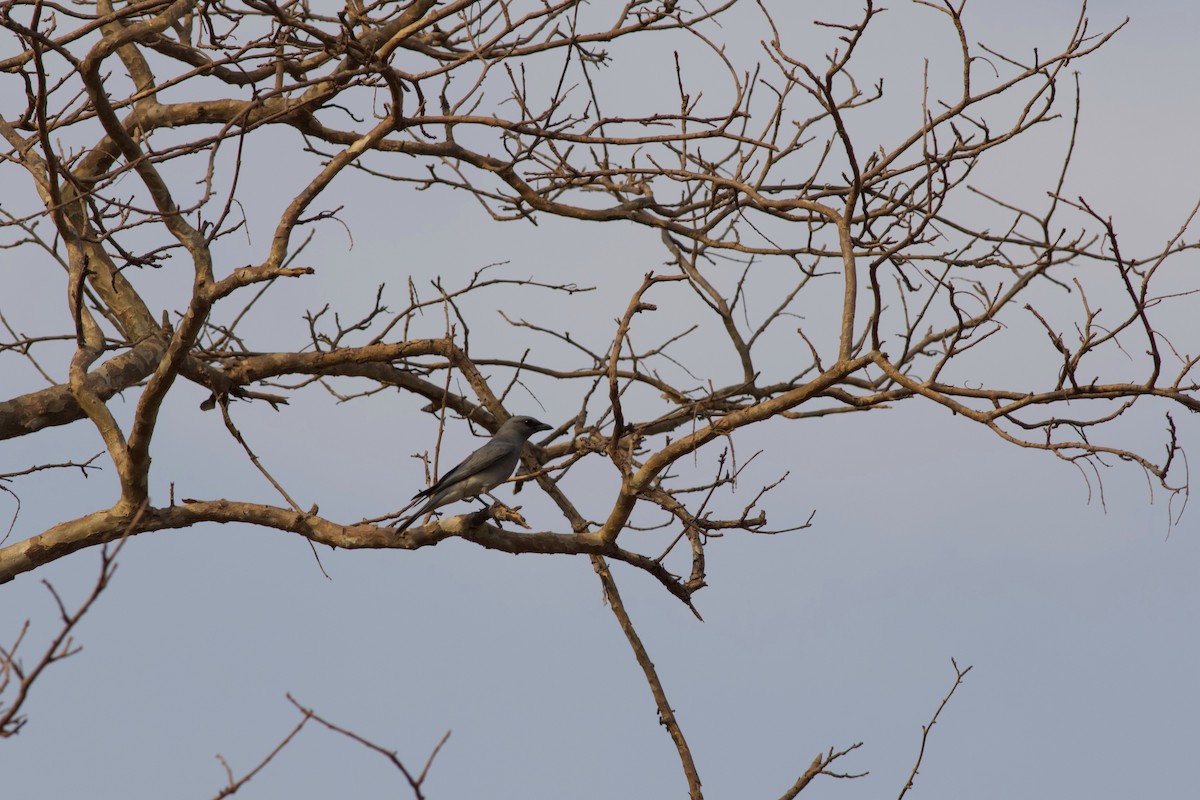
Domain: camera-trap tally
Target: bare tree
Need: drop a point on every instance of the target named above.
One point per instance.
(831, 271)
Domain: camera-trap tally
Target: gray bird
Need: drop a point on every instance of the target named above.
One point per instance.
(483, 470)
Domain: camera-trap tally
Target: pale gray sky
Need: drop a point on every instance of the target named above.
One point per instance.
(932, 539)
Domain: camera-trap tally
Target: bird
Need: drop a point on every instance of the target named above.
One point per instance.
(482, 471)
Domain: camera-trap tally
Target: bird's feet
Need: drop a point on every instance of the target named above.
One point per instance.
(500, 513)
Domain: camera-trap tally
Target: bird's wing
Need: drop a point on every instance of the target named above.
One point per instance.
(487, 456)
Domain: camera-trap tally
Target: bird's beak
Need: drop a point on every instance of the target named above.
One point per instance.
(544, 427)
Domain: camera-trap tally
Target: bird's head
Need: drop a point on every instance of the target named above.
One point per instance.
(523, 426)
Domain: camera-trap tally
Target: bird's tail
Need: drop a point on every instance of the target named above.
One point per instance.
(420, 512)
